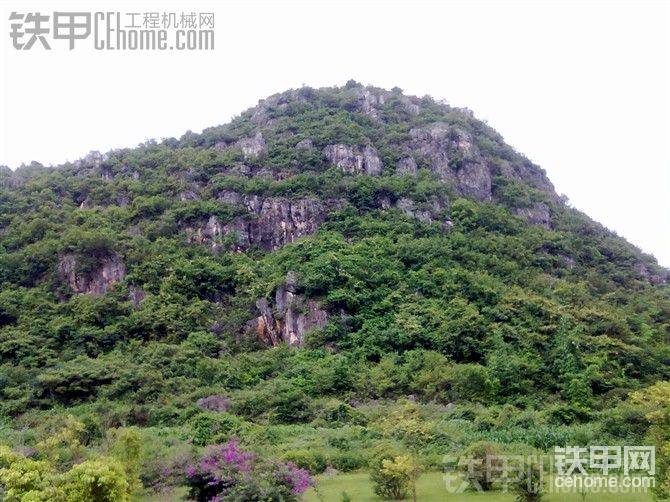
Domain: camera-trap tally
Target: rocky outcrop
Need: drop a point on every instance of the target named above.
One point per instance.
(426, 212)
(281, 221)
(538, 214)
(408, 207)
(136, 296)
(188, 195)
(270, 223)
(451, 154)
(207, 233)
(290, 318)
(251, 147)
(92, 160)
(656, 277)
(406, 165)
(370, 101)
(305, 144)
(109, 270)
(529, 174)
(215, 403)
(354, 160)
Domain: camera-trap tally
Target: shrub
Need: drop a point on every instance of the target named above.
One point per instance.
(227, 472)
(475, 466)
(208, 428)
(528, 487)
(347, 461)
(395, 478)
(100, 480)
(312, 461)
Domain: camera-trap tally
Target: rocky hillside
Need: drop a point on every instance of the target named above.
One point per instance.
(398, 240)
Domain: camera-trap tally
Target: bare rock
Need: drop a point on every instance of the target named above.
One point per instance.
(452, 155)
(221, 146)
(281, 221)
(291, 318)
(370, 100)
(108, 271)
(92, 160)
(411, 104)
(210, 233)
(188, 195)
(406, 165)
(136, 296)
(354, 159)
(408, 207)
(215, 403)
(537, 214)
(252, 147)
(271, 222)
(305, 144)
(230, 197)
(656, 277)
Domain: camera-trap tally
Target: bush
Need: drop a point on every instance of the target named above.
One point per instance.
(475, 467)
(347, 461)
(395, 478)
(208, 428)
(100, 480)
(312, 461)
(227, 472)
(528, 487)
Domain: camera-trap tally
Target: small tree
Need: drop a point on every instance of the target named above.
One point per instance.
(100, 480)
(529, 486)
(657, 401)
(395, 478)
(479, 457)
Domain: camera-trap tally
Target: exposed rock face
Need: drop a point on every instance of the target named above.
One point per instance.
(271, 223)
(188, 195)
(210, 233)
(136, 295)
(452, 155)
(406, 165)
(251, 147)
(568, 261)
(354, 159)
(290, 318)
(369, 102)
(536, 215)
(92, 160)
(96, 282)
(215, 403)
(281, 221)
(656, 278)
(530, 174)
(305, 144)
(408, 207)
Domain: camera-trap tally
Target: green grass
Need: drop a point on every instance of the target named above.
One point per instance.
(431, 488)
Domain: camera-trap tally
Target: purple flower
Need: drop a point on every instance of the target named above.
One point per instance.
(298, 479)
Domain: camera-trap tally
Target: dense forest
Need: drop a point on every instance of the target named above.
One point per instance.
(334, 273)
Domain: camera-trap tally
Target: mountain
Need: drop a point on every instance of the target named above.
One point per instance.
(328, 259)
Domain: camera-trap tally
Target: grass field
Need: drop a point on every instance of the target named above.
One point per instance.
(431, 488)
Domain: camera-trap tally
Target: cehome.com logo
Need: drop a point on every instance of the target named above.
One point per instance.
(116, 31)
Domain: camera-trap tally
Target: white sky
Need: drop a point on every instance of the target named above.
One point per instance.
(581, 88)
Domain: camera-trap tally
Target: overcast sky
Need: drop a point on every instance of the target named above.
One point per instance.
(581, 88)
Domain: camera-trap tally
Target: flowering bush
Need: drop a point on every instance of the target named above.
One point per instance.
(228, 472)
